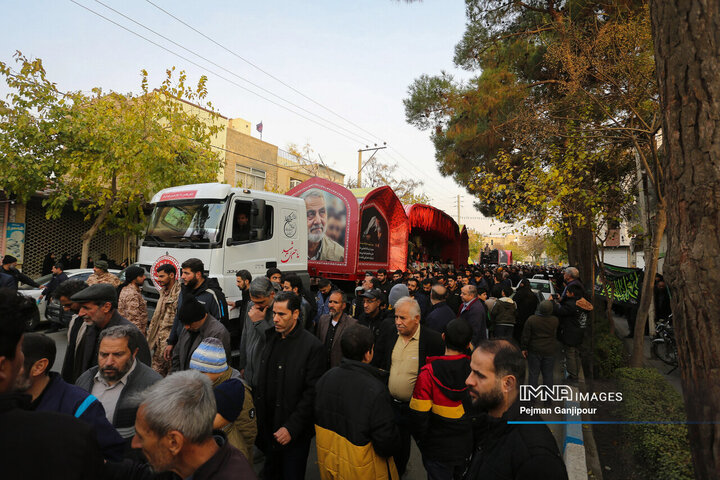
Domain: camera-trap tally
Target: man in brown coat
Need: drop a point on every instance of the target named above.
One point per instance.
(162, 320)
(331, 326)
(131, 303)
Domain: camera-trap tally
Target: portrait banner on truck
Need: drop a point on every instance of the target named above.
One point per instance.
(326, 224)
(373, 237)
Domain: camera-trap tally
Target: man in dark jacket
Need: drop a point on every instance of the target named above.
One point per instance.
(202, 288)
(539, 344)
(527, 303)
(175, 433)
(59, 276)
(197, 326)
(502, 315)
(9, 267)
(356, 435)
(402, 349)
(473, 311)
(439, 402)
(118, 378)
(50, 393)
(98, 308)
(453, 299)
(292, 362)
(570, 332)
(373, 314)
(503, 450)
(330, 327)
(440, 313)
(416, 292)
(69, 446)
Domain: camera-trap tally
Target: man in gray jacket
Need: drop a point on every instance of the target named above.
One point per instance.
(118, 378)
(258, 320)
(197, 326)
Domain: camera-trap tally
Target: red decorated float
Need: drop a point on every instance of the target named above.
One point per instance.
(353, 231)
(434, 237)
(368, 226)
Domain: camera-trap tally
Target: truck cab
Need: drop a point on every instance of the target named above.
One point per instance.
(229, 229)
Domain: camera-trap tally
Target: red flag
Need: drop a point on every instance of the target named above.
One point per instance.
(259, 127)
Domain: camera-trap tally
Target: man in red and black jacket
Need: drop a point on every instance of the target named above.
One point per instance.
(440, 426)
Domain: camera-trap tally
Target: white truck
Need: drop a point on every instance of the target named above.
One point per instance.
(229, 229)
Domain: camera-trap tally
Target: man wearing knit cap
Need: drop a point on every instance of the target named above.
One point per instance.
(235, 408)
(197, 325)
(9, 267)
(131, 303)
(102, 275)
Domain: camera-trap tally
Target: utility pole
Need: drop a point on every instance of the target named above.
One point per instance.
(360, 163)
(458, 200)
(459, 203)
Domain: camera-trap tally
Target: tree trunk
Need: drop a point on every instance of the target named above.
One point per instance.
(687, 59)
(646, 296)
(90, 233)
(580, 253)
(609, 292)
(88, 236)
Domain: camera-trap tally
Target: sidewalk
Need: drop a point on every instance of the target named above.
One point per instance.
(672, 376)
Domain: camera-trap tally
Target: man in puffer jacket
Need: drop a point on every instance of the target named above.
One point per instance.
(440, 425)
(539, 344)
(502, 316)
(356, 434)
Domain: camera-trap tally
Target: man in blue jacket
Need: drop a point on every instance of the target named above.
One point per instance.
(50, 393)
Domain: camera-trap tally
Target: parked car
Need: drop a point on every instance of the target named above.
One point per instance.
(544, 289)
(50, 308)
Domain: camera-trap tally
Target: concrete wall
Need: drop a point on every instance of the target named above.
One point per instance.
(251, 152)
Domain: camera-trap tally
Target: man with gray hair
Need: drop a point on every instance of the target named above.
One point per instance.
(174, 430)
(118, 377)
(258, 320)
(320, 246)
(402, 349)
(571, 275)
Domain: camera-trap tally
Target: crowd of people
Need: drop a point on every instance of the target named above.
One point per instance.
(207, 388)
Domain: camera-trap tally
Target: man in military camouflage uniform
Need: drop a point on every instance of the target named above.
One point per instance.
(162, 320)
(102, 275)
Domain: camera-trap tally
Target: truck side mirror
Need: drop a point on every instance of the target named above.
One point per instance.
(257, 219)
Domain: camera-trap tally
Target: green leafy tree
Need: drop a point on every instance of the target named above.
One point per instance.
(544, 130)
(108, 153)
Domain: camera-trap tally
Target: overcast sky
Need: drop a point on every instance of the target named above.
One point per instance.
(355, 59)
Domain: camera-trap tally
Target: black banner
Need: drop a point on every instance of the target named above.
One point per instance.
(623, 284)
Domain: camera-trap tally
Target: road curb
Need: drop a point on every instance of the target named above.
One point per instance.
(574, 443)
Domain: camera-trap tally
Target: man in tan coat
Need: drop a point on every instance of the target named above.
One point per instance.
(102, 275)
(162, 320)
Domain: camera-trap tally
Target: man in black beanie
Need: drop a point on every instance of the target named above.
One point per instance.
(197, 326)
(9, 267)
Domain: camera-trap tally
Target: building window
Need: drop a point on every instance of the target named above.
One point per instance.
(294, 182)
(248, 177)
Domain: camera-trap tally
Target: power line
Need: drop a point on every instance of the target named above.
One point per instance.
(211, 71)
(260, 69)
(428, 185)
(228, 71)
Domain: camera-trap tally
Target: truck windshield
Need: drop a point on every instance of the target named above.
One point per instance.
(186, 224)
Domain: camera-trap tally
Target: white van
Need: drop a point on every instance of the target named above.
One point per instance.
(229, 229)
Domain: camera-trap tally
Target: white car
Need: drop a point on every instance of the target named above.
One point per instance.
(34, 293)
(542, 287)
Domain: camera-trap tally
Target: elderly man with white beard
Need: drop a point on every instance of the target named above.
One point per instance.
(320, 246)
